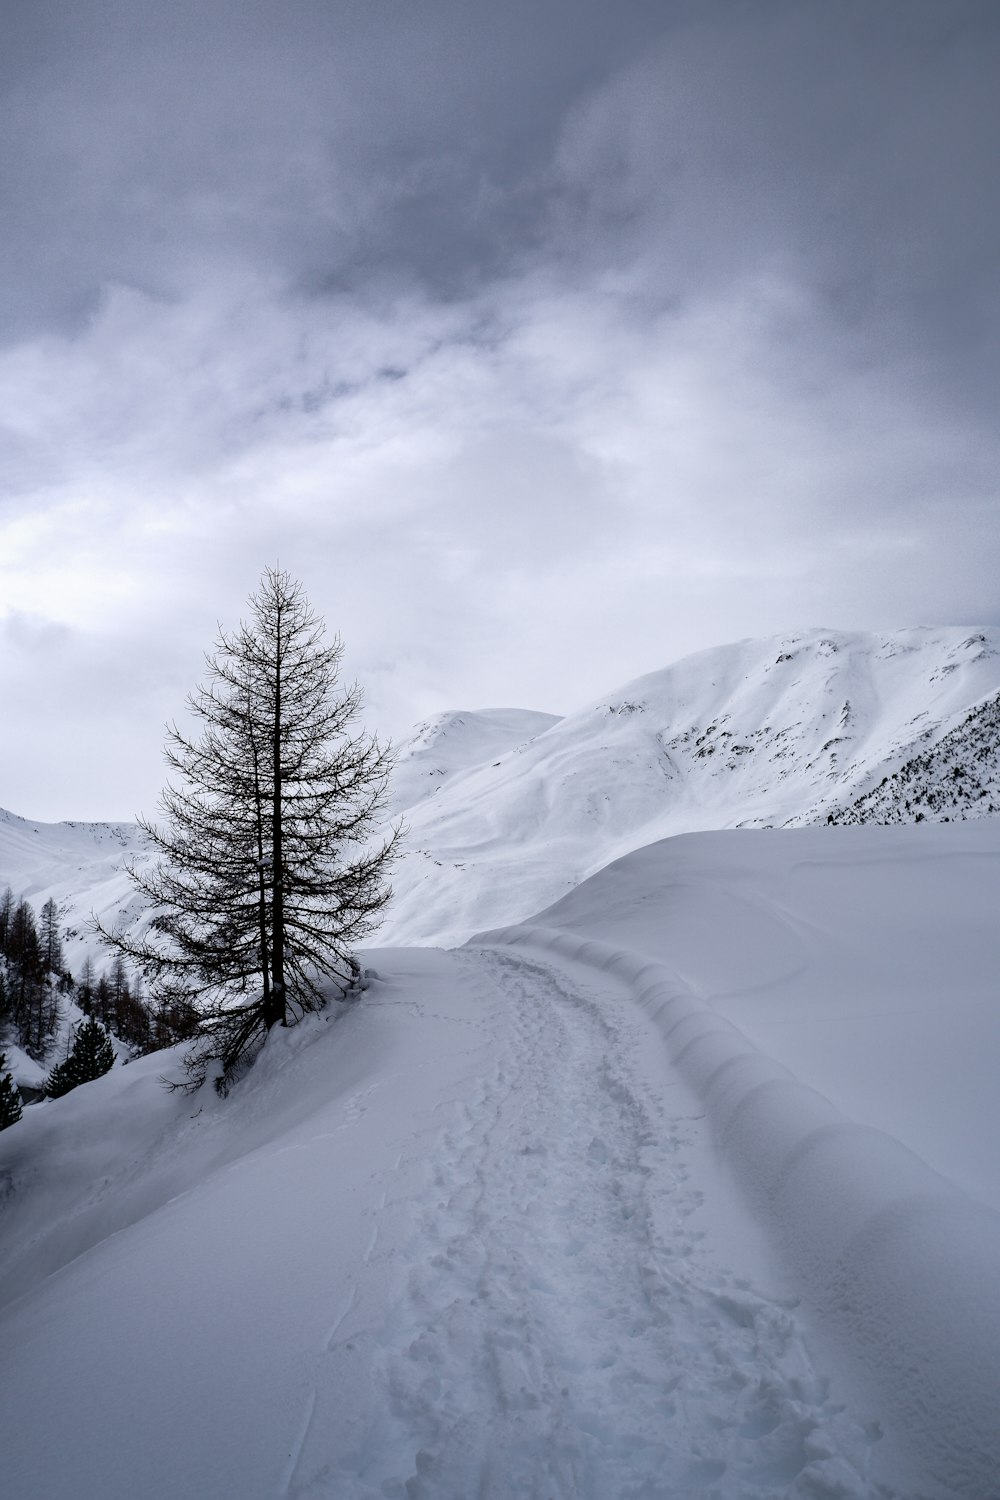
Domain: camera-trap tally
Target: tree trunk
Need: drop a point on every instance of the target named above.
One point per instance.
(276, 1011)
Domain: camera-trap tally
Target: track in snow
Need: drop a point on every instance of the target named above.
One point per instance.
(561, 1330)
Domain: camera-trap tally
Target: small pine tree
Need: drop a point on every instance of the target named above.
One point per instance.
(10, 1099)
(91, 1057)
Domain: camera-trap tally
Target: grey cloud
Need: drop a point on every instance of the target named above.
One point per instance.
(543, 343)
(325, 142)
(850, 146)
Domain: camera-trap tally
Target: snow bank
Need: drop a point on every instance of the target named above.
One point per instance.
(898, 1261)
(190, 1287)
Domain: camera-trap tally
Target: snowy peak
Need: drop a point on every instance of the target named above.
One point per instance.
(761, 725)
(452, 743)
(774, 731)
(762, 733)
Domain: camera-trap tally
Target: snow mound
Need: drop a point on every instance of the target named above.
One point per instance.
(897, 1259)
(465, 1238)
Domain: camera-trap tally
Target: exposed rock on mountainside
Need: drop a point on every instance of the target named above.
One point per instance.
(957, 778)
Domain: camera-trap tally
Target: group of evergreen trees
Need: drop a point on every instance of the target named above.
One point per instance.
(32, 979)
(33, 976)
(31, 971)
(92, 1056)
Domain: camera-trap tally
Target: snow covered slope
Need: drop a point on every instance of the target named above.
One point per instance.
(472, 1238)
(79, 865)
(957, 777)
(791, 730)
(862, 1124)
(442, 748)
(509, 809)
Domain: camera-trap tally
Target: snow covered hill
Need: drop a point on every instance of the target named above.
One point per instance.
(443, 747)
(508, 809)
(957, 777)
(475, 1236)
(777, 732)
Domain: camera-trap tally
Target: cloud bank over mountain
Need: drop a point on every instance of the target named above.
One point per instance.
(544, 345)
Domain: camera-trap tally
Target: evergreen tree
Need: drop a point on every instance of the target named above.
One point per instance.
(270, 867)
(91, 1057)
(30, 998)
(50, 941)
(22, 939)
(7, 904)
(102, 1001)
(10, 1099)
(85, 989)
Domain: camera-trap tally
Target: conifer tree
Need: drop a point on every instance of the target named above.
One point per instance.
(10, 1099)
(7, 904)
(92, 1056)
(85, 988)
(271, 867)
(50, 941)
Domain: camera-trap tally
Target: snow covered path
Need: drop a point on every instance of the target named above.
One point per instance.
(472, 1237)
(562, 1332)
(462, 1243)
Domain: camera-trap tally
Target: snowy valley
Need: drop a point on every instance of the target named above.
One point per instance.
(657, 1158)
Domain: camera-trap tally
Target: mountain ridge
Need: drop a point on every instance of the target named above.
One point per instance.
(508, 809)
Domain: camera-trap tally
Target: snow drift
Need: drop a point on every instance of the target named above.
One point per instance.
(897, 1259)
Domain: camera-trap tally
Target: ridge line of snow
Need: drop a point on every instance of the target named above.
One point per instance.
(874, 1234)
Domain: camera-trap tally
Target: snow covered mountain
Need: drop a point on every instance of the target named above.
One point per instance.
(508, 809)
(79, 865)
(444, 746)
(823, 726)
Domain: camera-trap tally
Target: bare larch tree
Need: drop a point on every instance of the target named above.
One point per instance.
(271, 864)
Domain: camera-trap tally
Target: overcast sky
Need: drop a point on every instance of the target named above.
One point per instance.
(544, 340)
